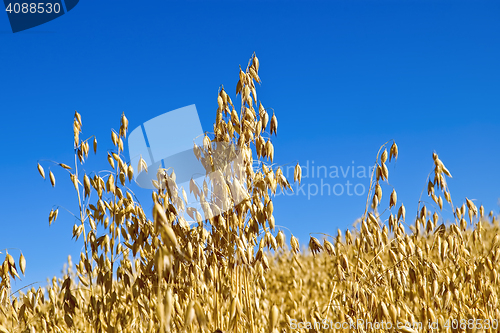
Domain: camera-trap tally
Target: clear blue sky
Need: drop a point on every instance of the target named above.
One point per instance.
(343, 77)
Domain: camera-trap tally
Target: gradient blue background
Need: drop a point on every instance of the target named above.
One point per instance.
(343, 77)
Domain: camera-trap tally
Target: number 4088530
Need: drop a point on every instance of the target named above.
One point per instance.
(33, 8)
(471, 324)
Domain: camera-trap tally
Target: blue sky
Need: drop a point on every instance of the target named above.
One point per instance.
(343, 77)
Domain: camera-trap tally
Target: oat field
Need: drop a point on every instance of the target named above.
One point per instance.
(233, 270)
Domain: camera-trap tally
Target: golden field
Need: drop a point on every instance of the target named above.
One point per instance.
(234, 271)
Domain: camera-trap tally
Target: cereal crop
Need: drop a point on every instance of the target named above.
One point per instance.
(233, 270)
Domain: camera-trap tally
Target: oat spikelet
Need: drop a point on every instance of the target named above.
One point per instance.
(22, 263)
(294, 243)
(328, 247)
(86, 185)
(124, 125)
(297, 174)
(65, 166)
(280, 239)
(273, 318)
(142, 166)
(52, 179)
(383, 158)
(41, 171)
(75, 181)
(274, 125)
(53, 215)
(393, 151)
(114, 138)
(394, 199)
(402, 212)
(315, 245)
(78, 118)
(255, 63)
(130, 173)
(111, 161)
(378, 192)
